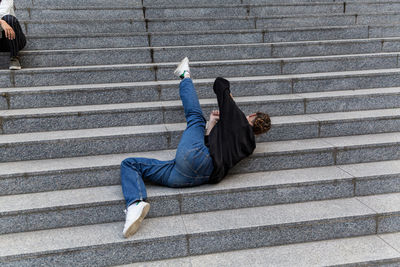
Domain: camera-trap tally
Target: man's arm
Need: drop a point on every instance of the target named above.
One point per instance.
(6, 7)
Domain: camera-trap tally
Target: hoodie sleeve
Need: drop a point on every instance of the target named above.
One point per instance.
(222, 90)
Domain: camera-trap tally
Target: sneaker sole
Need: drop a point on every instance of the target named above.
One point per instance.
(176, 72)
(135, 226)
(15, 68)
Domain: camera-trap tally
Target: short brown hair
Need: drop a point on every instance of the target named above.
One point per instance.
(262, 123)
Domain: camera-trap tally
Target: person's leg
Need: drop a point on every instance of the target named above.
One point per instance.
(134, 171)
(14, 46)
(193, 162)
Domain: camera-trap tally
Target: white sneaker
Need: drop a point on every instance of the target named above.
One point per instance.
(182, 68)
(134, 217)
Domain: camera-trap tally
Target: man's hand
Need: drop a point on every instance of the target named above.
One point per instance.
(10, 34)
(214, 116)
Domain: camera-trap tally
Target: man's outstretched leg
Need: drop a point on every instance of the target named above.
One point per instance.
(133, 172)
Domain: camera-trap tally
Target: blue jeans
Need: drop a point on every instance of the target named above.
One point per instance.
(192, 164)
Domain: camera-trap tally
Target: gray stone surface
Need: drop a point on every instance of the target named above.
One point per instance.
(82, 75)
(202, 38)
(354, 7)
(180, 12)
(322, 253)
(170, 242)
(34, 28)
(201, 24)
(345, 81)
(75, 13)
(317, 8)
(92, 3)
(336, 80)
(329, 47)
(392, 239)
(87, 41)
(304, 20)
(255, 230)
(31, 59)
(383, 31)
(212, 52)
(313, 34)
(81, 95)
(48, 210)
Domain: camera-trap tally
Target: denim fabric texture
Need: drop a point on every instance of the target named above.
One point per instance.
(192, 165)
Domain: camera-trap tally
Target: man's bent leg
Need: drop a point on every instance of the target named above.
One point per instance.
(193, 162)
(136, 170)
(14, 46)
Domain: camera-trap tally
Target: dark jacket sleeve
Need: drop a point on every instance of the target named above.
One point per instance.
(232, 138)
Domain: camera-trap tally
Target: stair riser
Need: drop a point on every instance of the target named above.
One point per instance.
(177, 204)
(158, 115)
(206, 70)
(85, 27)
(264, 23)
(218, 2)
(171, 54)
(173, 39)
(241, 11)
(69, 3)
(354, 7)
(169, 140)
(85, 58)
(196, 244)
(121, 254)
(149, 73)
(59, 14)
(260, 36)
(86, 42)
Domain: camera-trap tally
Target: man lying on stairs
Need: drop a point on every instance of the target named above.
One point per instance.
(230, 137)
(12, 38)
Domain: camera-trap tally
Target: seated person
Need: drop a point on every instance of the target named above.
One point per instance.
(12, 38)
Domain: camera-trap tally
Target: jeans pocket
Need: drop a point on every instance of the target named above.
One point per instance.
(198, 162)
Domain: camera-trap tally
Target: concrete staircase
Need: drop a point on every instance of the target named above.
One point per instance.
(322, 188)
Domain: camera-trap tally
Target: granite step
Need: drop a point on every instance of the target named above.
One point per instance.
(220, 2)
(69, 3)
(242, 10)
(283, 104)
(64, 26)
(167, 112)
(115, 40)
(80, 12)
(231, 67)
(260, 85)
(90, 142)
(202, 69)
(75, 207)
(203, 233)
(131, 24)
(129, 55)
(272, 21)
(372, 250)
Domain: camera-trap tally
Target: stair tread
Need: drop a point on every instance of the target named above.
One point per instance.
(191, 224)
(369, 249)
(53, 200)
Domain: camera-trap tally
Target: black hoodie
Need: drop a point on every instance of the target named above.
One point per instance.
(232, 138)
